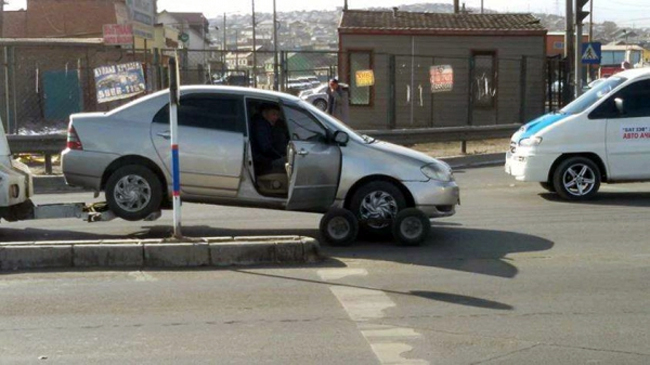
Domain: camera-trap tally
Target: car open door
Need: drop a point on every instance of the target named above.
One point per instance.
(313, 162)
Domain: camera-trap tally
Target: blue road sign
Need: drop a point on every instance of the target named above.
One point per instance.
(591, 53)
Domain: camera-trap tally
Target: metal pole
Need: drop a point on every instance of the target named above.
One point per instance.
(7, 99)
(275, 48)
(577, 85)
(254, 49)
(568, 49)
(174, 95)
(482, 7)
(591, 33)
(2, 16)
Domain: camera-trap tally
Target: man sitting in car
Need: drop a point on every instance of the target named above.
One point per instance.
(269, 141)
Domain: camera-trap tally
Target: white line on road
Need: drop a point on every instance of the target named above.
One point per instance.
(142, 276)
(364, 305)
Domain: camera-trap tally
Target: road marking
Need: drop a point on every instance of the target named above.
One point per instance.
(142, 276)
(365, 305)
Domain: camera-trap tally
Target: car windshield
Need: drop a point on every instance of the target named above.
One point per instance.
(593, 95)
(335, 123)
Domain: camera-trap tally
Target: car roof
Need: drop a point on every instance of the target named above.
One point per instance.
(238, 90)
(634, 73)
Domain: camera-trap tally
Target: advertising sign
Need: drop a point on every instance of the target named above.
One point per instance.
(119, 82)
(118, 34)
(637, 132)
(365, 78)
(442, 78)
(143, 17)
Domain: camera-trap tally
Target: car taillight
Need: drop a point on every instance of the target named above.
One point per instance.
(74, 143)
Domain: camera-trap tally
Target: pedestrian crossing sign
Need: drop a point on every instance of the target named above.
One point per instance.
(591, 53)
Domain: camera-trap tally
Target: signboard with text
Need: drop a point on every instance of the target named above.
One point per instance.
(142, 15)
(119, 82)
(441, 78)
(118, 34)
(365, 78)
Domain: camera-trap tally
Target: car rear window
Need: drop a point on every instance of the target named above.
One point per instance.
(207, 111)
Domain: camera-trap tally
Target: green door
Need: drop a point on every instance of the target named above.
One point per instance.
(62, 94)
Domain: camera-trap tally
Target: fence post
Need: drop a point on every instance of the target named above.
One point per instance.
(470, 88)
(391, 93)
(431, 123)
(522, 89)
(282, 74)
(7, 97)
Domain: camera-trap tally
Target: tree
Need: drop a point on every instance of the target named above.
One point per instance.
(609, 28)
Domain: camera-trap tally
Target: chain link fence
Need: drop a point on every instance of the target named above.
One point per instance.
(44, 84)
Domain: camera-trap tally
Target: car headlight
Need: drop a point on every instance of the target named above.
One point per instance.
(438, 171)
(530, 142)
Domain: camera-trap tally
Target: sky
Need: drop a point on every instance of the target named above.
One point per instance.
(625, 12)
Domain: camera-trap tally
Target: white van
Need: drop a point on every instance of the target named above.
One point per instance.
(603, 136)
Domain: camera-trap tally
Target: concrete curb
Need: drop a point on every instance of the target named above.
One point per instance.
(152, 253)
(56, 184)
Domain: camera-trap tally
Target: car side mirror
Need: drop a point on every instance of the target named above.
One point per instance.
(341, 138)
(620, 105)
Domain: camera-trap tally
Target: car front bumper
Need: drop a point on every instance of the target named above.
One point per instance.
(435, 198)
(529, 167)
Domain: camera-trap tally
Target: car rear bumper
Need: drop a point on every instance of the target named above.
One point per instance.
(84, 168)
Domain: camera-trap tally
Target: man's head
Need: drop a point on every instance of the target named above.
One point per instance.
(271, 113)
(334, 84)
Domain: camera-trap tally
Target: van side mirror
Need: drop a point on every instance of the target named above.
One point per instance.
(620, 105)
(341, 138)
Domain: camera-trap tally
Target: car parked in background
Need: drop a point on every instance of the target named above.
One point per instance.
(126, 153)
(318, 95)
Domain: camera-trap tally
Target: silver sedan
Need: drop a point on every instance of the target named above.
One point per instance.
(326, 165)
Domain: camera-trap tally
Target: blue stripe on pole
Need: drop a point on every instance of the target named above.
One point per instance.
(176, 174)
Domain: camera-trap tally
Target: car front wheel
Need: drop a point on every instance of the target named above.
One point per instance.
(133, 192)
(376, 204)
(577, 178)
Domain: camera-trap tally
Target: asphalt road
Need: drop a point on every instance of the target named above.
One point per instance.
(516, 277)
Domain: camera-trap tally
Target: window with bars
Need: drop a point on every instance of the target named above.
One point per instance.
(359, 60)
(484, 83)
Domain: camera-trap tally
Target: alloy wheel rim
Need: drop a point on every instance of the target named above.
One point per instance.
(132, 193)
(579, 180)
(378, 205)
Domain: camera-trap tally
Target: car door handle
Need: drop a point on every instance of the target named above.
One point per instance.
(302, 153)
(165, 134)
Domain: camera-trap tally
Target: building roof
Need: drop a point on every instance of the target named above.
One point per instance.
(401, 22)
(189, 18)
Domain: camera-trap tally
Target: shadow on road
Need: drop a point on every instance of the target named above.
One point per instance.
(431, 295)
(623, 199)
(449, 246)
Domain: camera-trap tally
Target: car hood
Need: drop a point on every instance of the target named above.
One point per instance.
(402, 152)
(537, 125)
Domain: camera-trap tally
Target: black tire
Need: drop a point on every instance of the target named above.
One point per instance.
(411, 227)
(339, 227)
(146, 199)
(548, 187)
(394, 202)
(320, 104)
(586, 180)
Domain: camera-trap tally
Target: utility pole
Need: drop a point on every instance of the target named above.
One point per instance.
(591, 34)
(580, 15)
(481, 6)
(223, 49)
(275, 49)
(254, 49)
(568, 51)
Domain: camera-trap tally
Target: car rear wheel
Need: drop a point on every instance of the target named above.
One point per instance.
(577, 178)
(320, 104)
(376, 204)
(133, 192)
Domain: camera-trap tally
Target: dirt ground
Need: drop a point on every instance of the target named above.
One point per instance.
(446, 149)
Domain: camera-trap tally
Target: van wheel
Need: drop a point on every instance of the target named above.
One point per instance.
(548, 187)
(339, 227)
(133, 192)
(577, 178)
(411, 227)
(376, 204)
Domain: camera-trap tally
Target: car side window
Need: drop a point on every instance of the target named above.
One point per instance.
(636, 100)
(303, 126)
(217, 112)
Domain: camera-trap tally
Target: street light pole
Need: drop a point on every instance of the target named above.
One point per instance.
(275, 49)
(254, 49)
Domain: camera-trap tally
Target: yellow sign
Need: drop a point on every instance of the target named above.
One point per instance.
(365, 78)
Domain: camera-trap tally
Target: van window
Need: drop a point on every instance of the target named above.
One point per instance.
(592, 96)
(636, 99)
